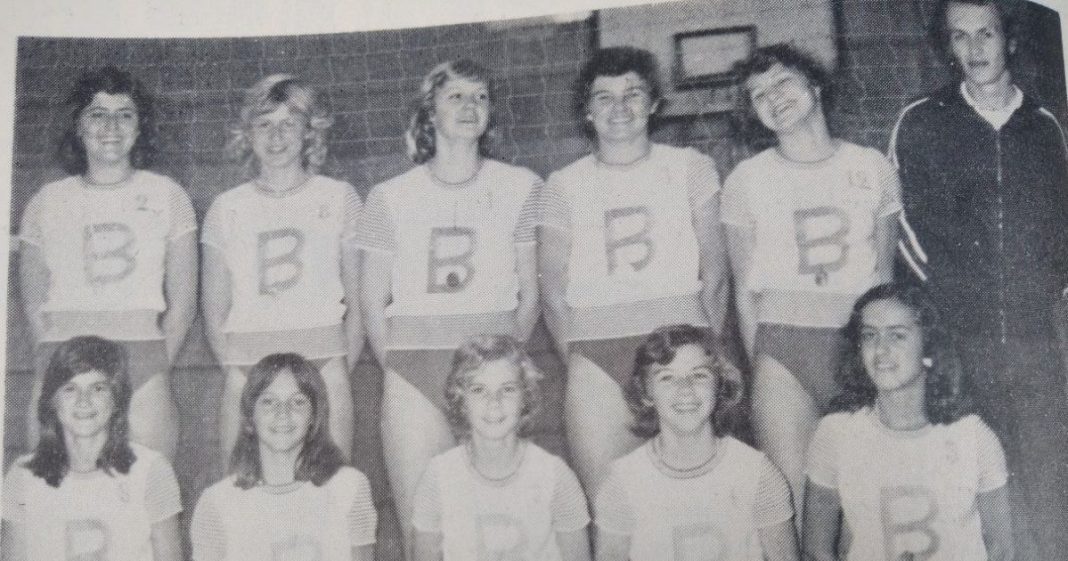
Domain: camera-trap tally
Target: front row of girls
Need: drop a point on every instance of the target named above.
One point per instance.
(87, 492)
(900, 468)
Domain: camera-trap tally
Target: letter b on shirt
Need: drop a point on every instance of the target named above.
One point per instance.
(627, 240)
(822, 247)
(297, 548)
(701, 541)
(109, 252)
(907, 513)
(278, 254)
(449, 261)
(87, 540)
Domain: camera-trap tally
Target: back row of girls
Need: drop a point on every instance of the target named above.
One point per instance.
(901, 457)
(615, 245)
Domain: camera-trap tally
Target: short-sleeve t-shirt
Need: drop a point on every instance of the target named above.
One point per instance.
(908, 491)
(92, 515)
(633, 239)
(299, 521)
(283, 253)
(453, 246)
(514, 519)
(106, 246)
(814, 225)
(713, 515)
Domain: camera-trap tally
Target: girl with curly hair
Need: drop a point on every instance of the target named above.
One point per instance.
(279, 272)
(289, 494)
(691, 488)
(915, 472)
(497, 495)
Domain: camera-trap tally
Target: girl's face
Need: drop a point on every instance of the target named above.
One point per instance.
(461, 110)
(493, 400)
(683, 392)
(891, 346)
(782, 97)
(108, 128)
(619, 107)
(282, 414)
(85, 404)
(277, 138)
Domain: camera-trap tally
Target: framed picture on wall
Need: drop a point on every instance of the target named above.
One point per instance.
(705, 58)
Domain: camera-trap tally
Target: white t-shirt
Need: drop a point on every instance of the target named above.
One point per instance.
(908, 491)
(106, 246)
(635, 258)
(283, 253)
(714, 515)
(453, 246)
(92, 515)
(515, 519)
(814, 224)
(298, 522)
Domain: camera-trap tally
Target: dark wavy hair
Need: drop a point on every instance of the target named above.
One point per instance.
(110, 80)
(1010, 13)
(319, 457)
(50, 460)
(419, 137)
(659, 348)
(946, 393)
(760, 62)
(615, 61)
(472, 355)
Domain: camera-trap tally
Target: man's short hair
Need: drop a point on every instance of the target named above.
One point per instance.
(1009, 13)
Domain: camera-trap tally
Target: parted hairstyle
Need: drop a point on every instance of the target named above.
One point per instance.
(269, 94)
(946, 392)
(108, 79)
(477, 352)
(319, 457)
(50, 460)
(419, 137)
(659, 349)
(612, 62)
(1010, 13)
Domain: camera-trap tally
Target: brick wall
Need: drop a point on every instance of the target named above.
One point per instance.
(369, 80)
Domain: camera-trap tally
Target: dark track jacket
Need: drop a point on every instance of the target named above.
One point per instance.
(986, 213)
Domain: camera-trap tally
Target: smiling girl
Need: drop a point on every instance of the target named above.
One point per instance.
(915, 472)
(691, 492)
(289, 495)
(111, 250)
(86, 492)
(449, 252)
(497, 495)
(279, 273)
(811, 224)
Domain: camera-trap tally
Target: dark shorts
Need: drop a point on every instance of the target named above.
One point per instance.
(145, 359)
(811, 354)
(614, 356)
(426, 369)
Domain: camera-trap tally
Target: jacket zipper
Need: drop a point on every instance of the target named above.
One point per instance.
(1001, 243)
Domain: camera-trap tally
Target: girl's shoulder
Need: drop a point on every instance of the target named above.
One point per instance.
(348, 477)
(863, 155)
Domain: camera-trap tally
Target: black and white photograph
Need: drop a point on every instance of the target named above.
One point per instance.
(694, 280)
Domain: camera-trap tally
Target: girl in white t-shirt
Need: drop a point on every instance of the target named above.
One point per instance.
(448, 253)
(497, 495)
(279, 272)
(691, 492)
(902, 462)
(289, 494)
(629, 240)
(86, 492)
(811, 224)
(111, 250)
